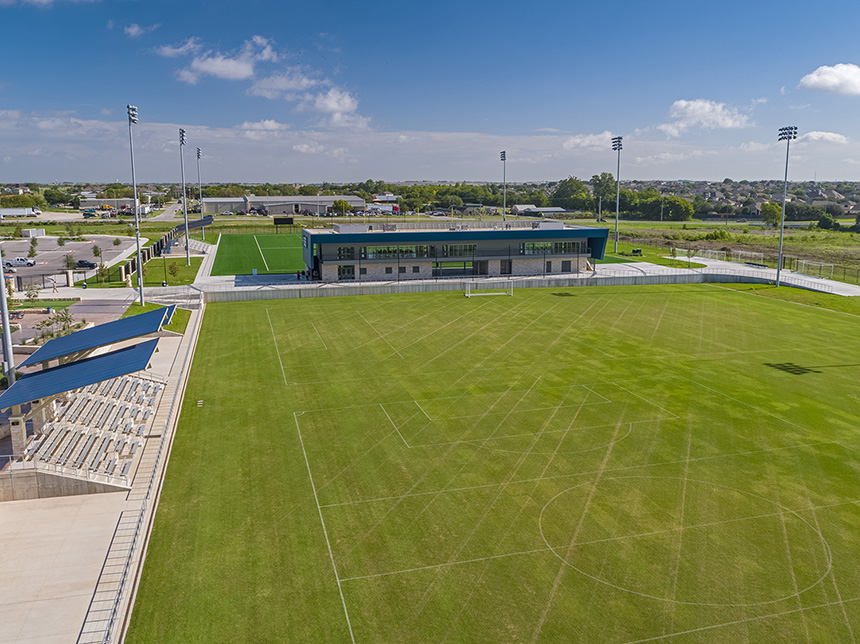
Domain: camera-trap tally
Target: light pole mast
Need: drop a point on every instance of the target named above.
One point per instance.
(184, 196)
(200, 191)
(503, 157)
(8, 357)
(616, 146)
(132, 120)
(785, 134)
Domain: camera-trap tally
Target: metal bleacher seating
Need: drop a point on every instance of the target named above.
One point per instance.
(98, 427)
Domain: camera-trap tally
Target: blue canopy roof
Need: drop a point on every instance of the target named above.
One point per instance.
(102, 335)
(50, 382)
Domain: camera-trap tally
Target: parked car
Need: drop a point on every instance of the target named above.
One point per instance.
(85, 263)
(89, 214)
(18, 261)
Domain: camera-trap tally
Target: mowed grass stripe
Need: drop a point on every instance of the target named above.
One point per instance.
(443, 542)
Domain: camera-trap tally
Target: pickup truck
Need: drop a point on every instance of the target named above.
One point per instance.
(18, 261)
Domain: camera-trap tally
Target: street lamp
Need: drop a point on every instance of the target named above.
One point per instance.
(8, 357)
(785, 134)
(200, 191)
(503, 157)
(132, 120)
(184, 196)
(616, 146)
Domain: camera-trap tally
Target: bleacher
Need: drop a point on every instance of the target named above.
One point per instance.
(98, 428)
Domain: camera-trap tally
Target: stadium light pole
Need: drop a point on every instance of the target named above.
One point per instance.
(503, 156)
(785, 134)
(8, 356)
(132, 120)
(616, 146)
(182, 142)
(200, 191)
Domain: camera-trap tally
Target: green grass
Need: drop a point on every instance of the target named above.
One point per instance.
(240, 254)
(57, 305)
(178, 323)
(688, 452)
(155, 274)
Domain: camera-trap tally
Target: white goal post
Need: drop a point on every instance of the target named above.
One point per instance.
(814, 269)
(711, 254)
(747, 257)
(494, 287)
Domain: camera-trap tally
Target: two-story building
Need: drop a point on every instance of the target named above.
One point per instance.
(396, 251)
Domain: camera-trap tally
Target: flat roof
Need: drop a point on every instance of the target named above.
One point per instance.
(102, 335)
(56, 380)
(329, 236)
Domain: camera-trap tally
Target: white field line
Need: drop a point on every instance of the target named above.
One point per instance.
(277, 351)
(261, 253)
(587, 473)
(396, 428)
(319, 336)
(422, 411)
(379, 334)
(677, 564)
(325, 532)
(697, 526)
(633, 393)
(787, 545)
(740, 621)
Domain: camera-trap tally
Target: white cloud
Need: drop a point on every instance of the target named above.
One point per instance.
(285, 84)
(825, 137)
(190, 46)
(236, 66)
(135, 31)
(38, 3)
(268, 125)
(340, 108)
(596, 142)
(704, 113)
(105, 111)
(842, 78)
(309, 148)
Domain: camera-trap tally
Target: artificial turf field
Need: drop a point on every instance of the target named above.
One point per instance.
(605, 465)
(273, 253)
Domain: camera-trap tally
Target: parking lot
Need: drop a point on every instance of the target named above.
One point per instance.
(49, 254)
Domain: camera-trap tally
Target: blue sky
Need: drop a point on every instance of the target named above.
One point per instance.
(337, 91)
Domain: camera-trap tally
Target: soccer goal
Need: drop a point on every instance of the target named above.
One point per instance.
(495, 287)
(748, 257)
(815, 269)
(711, 254)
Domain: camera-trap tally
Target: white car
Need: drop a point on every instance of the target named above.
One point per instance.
(18, 261)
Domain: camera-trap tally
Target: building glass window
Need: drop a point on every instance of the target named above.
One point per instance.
(416, 269)
(388, 270)
(565, 266)
(402, 269)
(346, 252)
(346, 272)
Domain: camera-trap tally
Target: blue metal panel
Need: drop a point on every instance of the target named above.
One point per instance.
(168, 316)
(99, 336)
(597, 237)
(56, 380)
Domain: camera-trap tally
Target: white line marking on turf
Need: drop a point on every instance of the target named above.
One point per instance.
(325, 532)
(379, 334)
(422, 410)
(396, 428)
(587, 473)
(261, 252)
(319, 336)
(740, 621)
(277, 351)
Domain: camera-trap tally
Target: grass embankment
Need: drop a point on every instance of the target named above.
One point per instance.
(619, 464)
(57, 305)
(178, 323)
(155, 270)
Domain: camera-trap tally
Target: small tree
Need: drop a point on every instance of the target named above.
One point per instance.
(64, 319)
(117, 241)
(10, 287)
(103, 272)
(32, 292)
(33, 243)
(173, 269)
(97, 252)
(673, 252)
(69, 262)
(61, 241)
(690, 253)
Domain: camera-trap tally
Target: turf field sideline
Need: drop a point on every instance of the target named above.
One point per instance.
(274, 253)
(615, 465)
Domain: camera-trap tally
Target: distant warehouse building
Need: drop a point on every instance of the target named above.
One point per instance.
(279, 205)
(393, 251)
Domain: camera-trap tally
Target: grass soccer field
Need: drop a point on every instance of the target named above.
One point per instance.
(599, 465)
(274, 253)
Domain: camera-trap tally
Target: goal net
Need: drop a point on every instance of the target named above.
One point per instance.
(815, 269)
(747, 257)
(711, 254)
(495, 287)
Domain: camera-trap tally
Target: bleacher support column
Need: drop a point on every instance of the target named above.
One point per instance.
(18, 427)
